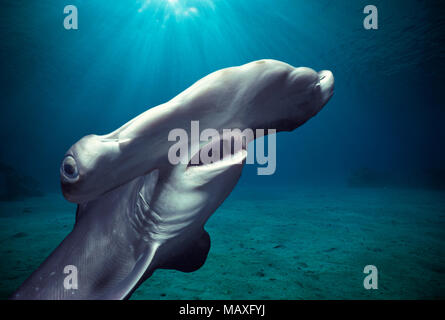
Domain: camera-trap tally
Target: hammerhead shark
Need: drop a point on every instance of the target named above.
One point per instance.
(138, 212)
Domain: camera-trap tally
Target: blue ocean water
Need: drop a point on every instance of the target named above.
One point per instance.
(377, 146)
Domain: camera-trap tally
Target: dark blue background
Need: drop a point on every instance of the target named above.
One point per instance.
(387, 112)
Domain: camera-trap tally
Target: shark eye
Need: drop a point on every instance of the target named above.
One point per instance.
(69, 169)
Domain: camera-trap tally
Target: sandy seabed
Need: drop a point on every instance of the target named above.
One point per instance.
(285, 243)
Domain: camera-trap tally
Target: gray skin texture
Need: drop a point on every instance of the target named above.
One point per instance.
(137, 212)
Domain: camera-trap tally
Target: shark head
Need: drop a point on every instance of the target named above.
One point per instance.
(264, 94)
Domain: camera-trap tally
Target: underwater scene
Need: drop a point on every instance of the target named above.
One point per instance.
(351, 200)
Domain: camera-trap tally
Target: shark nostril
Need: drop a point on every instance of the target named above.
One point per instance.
(326, 79)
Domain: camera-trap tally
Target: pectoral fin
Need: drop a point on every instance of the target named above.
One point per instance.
(190, 258)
